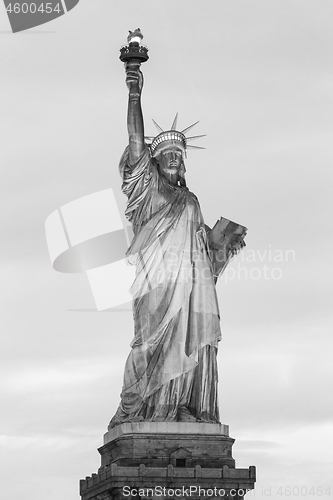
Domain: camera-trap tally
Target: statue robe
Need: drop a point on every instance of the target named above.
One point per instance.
(172, 364)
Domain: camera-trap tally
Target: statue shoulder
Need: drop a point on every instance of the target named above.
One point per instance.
(144, 162)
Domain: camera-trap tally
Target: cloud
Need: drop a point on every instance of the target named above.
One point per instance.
(40, 443)
(70, 374)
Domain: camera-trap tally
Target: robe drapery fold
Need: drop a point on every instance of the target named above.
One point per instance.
(172, 363)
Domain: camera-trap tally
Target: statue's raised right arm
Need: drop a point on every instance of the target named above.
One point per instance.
(135, 127)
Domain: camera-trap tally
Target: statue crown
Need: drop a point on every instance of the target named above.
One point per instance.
(178, 137)
(168, 135)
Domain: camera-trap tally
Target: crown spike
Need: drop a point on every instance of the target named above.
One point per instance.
(189, 128)
(174, 124)
(195, 137)
(189, 146)
(158, 127)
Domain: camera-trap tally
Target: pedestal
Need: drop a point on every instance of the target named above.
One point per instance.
(148, 460)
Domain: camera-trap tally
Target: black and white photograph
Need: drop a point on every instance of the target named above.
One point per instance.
(166, 299)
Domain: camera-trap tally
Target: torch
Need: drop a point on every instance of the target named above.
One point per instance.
(134, 54)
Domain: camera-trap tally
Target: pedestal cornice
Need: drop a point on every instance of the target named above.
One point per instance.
(164, 428)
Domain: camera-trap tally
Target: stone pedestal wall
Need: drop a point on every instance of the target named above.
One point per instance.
(167, 460)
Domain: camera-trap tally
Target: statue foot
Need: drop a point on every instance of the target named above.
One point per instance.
(114, 422)
(208, 421)
(184, 415)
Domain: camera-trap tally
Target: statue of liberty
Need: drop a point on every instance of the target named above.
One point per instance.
(171, 372)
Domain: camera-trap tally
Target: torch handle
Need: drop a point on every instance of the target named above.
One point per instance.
(133, 64)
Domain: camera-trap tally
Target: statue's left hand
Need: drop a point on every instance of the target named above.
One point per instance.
(237, 246)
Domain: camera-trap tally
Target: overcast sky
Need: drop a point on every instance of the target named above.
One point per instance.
(258, 75)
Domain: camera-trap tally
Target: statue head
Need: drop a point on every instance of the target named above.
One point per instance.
(169, 149)
(170, 162)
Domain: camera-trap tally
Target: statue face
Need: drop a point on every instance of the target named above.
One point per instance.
(170, 161)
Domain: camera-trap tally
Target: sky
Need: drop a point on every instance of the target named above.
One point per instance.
(258, 75)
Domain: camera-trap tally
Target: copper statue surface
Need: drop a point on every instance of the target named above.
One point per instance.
(171, 372)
